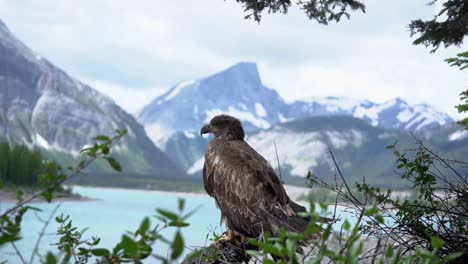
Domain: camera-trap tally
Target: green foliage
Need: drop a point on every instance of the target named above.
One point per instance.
(10, 227)
(463, 107)
(451, 31)
(133, 247)
(323, 11)
(433, 224)
(429, 228)
(460, 61)
(49, 182)
(19, 165)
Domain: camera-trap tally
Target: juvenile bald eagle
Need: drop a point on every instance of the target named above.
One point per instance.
(250, 196)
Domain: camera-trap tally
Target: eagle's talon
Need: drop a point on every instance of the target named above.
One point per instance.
(231, 237)
(228, 236)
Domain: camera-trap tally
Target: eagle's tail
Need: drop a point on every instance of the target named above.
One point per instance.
(290, 222)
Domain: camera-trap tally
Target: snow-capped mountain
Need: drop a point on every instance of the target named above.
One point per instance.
(302, 145)
(40, 105)
(301, 130)
(393, 114)
(239, 91)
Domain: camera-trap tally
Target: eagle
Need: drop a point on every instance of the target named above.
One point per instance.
(245, 187)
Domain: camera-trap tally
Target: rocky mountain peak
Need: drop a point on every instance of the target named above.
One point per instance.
(244, 72)
(237, 91)
(41, 105)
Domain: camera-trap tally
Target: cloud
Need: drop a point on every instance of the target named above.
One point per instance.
(130, 99)
(157, 43)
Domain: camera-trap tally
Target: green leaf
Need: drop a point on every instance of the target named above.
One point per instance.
(253, 242)
(100, 252)
(114, 164)
(295, 236)
(101, 138)
(254, 253)
(436, 242)
(1, 184)
(389, 251)
(144, 226)
(371, 211)
(167, 214)
(129, 246)
(379, 219)
(145, 251)
(181, 203)
(323, 206)
(105, 150)
(346, 225)
(269, 248)
(291, 246)
(96, 241)
(6, 238)
(327, 233)
(51, 258)
(454, 256)
(177, 246)
(83, 251)
(19, 195)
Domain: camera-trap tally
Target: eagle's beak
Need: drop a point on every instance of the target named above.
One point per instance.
(205, 129)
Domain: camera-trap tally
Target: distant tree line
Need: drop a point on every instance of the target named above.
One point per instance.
(20, 165)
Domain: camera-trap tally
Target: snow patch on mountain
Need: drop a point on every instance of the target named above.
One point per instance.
(245, 116)
(243, 106)
(283, 119)
(371, 113)
(405, 115)
(42, 142)
(197, 166)
(176, 90)
(158, 133)
(431, 114)
(340, 139)
(189, 134)
(459, 135)
(294, 149)
(260, 110)
(335, 104)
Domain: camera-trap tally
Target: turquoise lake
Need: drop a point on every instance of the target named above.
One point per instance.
(111, 213)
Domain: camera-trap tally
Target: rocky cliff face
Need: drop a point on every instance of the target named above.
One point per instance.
(41, 105)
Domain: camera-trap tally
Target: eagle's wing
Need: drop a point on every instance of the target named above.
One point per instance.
(247, 190)
(266, 174)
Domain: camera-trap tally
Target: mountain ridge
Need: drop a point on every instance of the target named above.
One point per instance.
(41, 105)
(239, 91)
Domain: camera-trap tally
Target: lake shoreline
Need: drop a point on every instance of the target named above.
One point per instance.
(294, 192)
(10, 197)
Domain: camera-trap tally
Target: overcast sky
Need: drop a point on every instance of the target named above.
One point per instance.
(135, 50)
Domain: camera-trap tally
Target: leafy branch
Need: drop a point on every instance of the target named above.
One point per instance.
(53, 178)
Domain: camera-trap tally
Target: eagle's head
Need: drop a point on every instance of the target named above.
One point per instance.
(225, 127)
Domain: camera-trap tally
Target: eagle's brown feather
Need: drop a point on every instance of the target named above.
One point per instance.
(248, 192)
